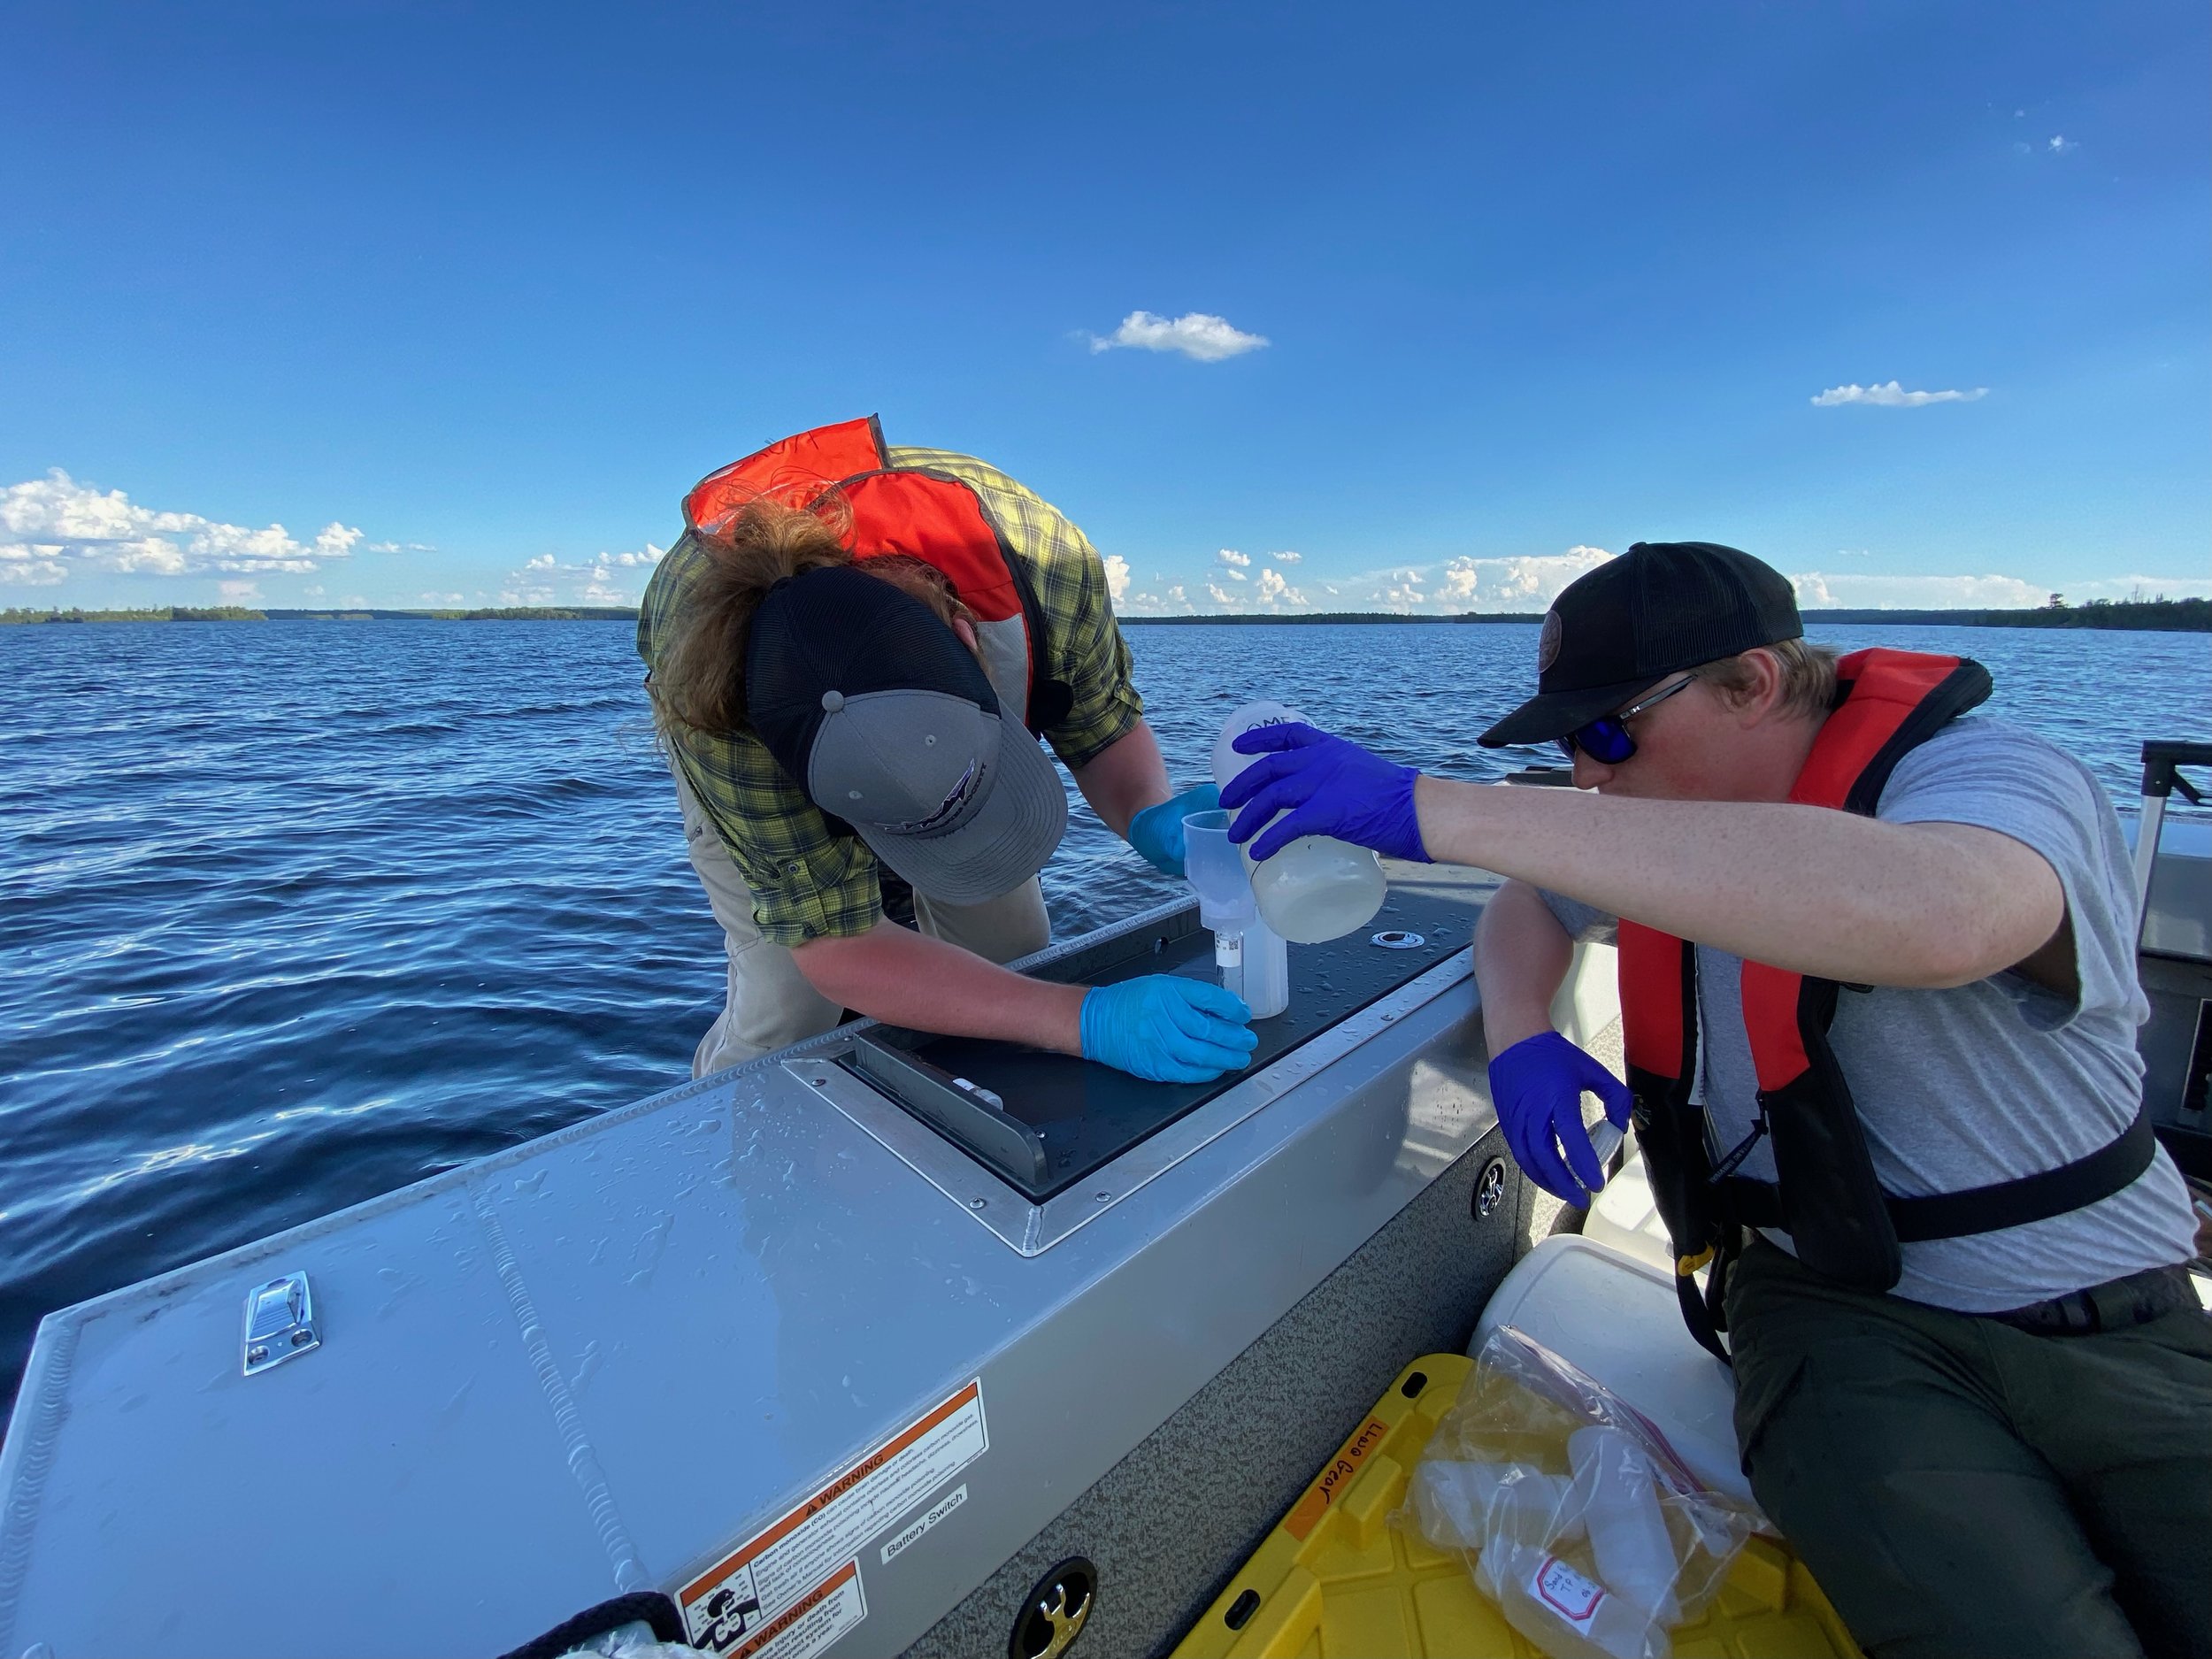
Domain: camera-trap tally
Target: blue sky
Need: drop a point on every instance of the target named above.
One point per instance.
(402, 304)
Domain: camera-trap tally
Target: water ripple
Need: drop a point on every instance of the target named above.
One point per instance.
(295, 913)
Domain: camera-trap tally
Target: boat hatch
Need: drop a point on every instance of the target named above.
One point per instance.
(1043, 1124)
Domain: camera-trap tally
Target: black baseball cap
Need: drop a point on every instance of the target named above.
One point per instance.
(886, 721)
(1659, 608)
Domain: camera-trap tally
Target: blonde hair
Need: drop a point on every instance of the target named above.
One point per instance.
(699, 683)
(1809, 677)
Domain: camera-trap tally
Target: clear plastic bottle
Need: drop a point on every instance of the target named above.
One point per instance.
(1251, 957)
(1316, 888)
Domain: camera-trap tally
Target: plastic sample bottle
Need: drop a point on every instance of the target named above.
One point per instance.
(1562, 1609)
(1628, 1535)
(1254, 962)
(1316, 888)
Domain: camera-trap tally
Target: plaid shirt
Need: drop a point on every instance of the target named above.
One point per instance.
(809, 881)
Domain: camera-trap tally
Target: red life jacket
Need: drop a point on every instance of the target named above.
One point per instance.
(927, 515)
(1840, 1222)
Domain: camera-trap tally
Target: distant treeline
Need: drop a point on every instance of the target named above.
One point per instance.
(1308, 616)
(158, 613)
(239, 613)
(2175, 615)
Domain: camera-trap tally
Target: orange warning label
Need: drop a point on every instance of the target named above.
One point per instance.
(813, 1622)
(801, 1553)
(1306, 1514)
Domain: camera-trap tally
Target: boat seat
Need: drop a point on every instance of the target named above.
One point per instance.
(1613, 1316)
(1625, 1217)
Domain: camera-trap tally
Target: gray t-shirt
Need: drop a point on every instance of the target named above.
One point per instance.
(1993, 1080)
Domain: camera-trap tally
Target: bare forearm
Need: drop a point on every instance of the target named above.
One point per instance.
(1801, 887)
(1126, 777)
(1521, 956)
(908, 978)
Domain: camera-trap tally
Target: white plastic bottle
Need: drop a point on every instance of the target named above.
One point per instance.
(1250, 955)
(1628, 1535)
(1318, 887)
(1561, 1609)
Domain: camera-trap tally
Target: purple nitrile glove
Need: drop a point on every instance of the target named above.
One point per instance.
(1330, 786)
(1537, 1086)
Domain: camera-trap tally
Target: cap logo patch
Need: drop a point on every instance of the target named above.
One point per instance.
(1547, 642)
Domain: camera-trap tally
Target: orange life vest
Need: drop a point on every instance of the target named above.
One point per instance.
(928, 515)
(1840, 1222)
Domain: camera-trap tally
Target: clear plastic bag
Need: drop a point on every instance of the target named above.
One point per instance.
(1575, 1516)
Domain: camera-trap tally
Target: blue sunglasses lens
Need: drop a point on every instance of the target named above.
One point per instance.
(1605, 739)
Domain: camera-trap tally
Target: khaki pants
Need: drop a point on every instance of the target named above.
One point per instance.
(770, 1003)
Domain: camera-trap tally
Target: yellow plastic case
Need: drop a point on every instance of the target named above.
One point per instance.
(1334, 1580)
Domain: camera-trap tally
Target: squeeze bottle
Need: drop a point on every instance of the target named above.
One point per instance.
(1318, 887)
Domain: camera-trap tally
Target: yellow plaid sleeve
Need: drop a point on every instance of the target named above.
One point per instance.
(1083, 643)
(807, 881)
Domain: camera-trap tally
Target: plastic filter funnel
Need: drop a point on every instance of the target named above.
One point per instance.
(1254, 962)
(1316, 888)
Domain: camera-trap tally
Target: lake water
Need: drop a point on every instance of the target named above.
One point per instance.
(295, 913)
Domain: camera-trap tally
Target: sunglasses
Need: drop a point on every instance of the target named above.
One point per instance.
(1606, 740)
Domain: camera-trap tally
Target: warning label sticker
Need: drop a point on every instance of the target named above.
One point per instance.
(811, 1623)
(805, 1554)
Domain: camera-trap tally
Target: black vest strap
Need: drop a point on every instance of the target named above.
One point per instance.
(2110, 1168)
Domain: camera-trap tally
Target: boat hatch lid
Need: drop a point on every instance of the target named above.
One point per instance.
(1041, 1122)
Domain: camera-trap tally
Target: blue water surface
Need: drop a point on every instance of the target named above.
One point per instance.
(293, 913)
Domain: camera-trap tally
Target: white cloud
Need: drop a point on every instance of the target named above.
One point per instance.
(21, 567)
(1275, 592)
(605, 578)
(1892, 395)
(239, 593)
(1528, 583)
(1229, 556)
(1117, 577)
(1234, 576)
(1858, 590)
(1196, 334)
(2060, 145)
(1287, 558)
(1214, 593)
(56, 523)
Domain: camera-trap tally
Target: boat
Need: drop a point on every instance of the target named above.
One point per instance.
(883, 1343)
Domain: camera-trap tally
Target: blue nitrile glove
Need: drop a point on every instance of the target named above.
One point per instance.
(1537, 1086)
(1330, 786)
(1157, 833)
(1167, 1029)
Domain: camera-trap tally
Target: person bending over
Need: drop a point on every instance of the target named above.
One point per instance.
(849, 651)
(1879, 999)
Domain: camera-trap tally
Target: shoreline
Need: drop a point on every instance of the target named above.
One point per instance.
(2160, 616)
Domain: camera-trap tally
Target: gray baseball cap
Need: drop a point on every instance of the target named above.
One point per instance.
(888, 724)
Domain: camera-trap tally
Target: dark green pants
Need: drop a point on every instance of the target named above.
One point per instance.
(1958, 1486)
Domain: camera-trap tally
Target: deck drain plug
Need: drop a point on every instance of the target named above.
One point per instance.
(1398, 939)
(1053, 1614)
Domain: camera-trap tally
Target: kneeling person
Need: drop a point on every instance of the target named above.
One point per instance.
(848, 651)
